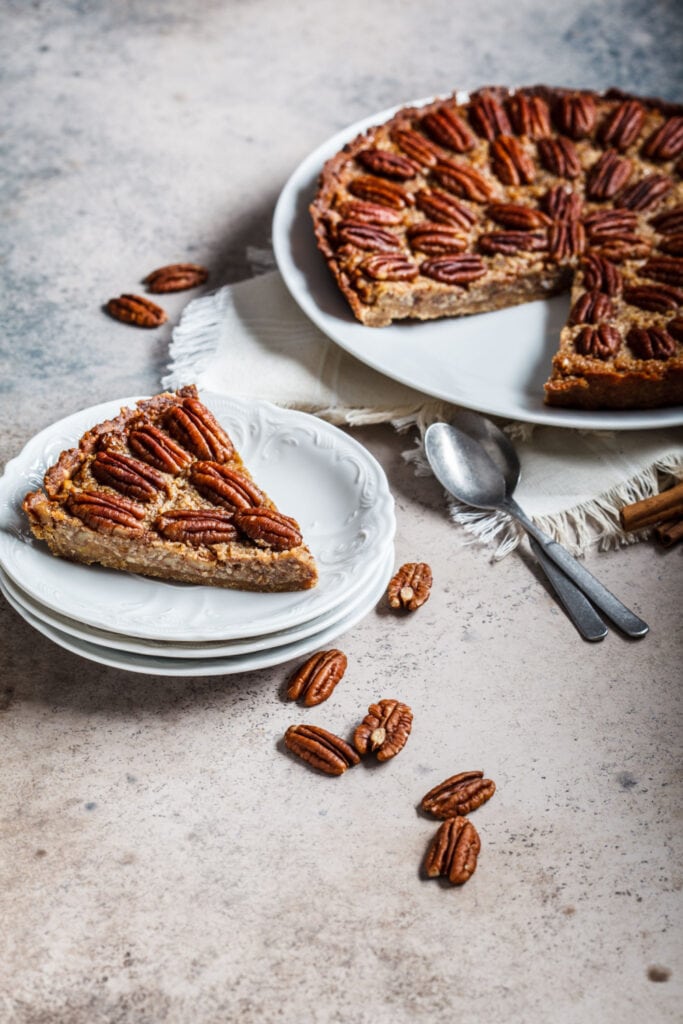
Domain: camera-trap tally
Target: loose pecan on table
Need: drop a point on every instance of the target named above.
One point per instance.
(458, 795)
(454, 851)
(196, 527)
(314, 681)
(107, 513)
(136, 310)
(129, 476)
(385, 729)
(177, 277)
(410, 586)
(268, 528)
(199, 431)
(321, 749)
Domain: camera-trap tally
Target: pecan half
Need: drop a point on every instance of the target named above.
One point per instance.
(385, 729)
(488, 118)
(619, 250)
(608, 175)
(611, 225)
(665, 142)
(672, 244)
(321, 749)
(575, 115)
(591, 308)
(418, 148)
(459, 270)
(646, 193)
(377, 190)
(559, 156)
(314, 681)
(463, 181)
(158, 449)
(668, 269)
(107, 513)
(622, 125)
(511, 242)
(566, 238)
(600, 342)
(268, 528)
(196, 527)
(650, 343)
(136, 310)
(600, 275)
(199, 431)
(529, 115)
(658, 298)
(435, 239)
(177, 277)
(444, 208)
(410, 587)
(370, 213)
(562, 204)
(225, 486)
(367, 236)
(387, 164)
(670, 222)
(448, 128)
(454, 851)
(675, 328)
(510, 161)
(129, 476)
(387, 267)
(458, 795)
(517, 217)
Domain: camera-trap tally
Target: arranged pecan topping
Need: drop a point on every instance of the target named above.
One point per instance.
(434, 238)
(459, 795)
(511, 242)
(622, 125)
(658, 298)
(196, 527)
(575, 115)
(387, 267)
(668, 269)
(158, 449)
(666, 142)
(619, 250)
(600, 342)
(463, 181)
(517, 217)
(385, 729)
(376, 190)
(591, 308)
(559, 156)
(321, 749)
(600, 275)
(562, 204)
(670, 222)
(650, 343)
(488, 118)
(136, 310)
(387, 164)
(444, 208)
(675, 328)
(314, 681)
(454, 851)
(410, 586)
(608, 175)
(225, 486)
(448, 128)
(367, 236)
(177, 277)
(107, 513)
(418, 148)
(529, 115)
(460, 270)
(646, 193)
(611, 225)
(566, 238)
(129, 476)
(268, 528)
(199, 431)
(370, 213)
(510, 161)
(672, 244)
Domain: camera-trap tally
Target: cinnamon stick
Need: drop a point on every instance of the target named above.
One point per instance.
(669, 533)
(666, 505)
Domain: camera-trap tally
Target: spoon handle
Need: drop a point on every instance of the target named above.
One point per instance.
(578, 607)
(604, 599)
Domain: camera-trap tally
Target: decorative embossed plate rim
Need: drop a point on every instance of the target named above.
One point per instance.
(495, 363)
(158, 665)
(324, 478)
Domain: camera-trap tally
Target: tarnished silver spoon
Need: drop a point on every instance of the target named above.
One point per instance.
(462, 466)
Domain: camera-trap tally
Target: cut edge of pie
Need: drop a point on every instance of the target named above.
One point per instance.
(160, 490)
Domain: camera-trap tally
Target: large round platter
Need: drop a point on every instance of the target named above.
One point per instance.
(312, 470)
(495, 363)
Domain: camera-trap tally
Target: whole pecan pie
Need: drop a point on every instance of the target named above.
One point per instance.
(160, 490)
(476, 203)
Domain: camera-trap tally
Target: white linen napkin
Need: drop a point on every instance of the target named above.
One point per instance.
(252, 340)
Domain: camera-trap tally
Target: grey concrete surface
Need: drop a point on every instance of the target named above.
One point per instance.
(163, 858)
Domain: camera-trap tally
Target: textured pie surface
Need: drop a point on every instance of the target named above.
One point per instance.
(473, 204)
(161, 490)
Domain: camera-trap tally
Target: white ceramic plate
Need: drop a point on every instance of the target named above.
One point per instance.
(335, 489)
(157, 665)
(495, 363)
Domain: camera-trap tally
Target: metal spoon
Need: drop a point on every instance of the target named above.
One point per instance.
(461, 464)
(500, 450)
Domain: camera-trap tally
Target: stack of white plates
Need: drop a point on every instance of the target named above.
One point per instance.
(331, 484)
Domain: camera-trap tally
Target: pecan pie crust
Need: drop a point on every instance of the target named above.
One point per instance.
(160, 490)
(507, 196)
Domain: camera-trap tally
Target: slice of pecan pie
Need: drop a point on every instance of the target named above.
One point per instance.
(160, 490)
(473, 204)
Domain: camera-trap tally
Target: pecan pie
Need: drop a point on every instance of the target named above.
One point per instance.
(160, 490)
(475, 203)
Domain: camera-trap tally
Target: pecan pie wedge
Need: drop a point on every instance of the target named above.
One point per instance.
(160, 490)
(476, 203)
